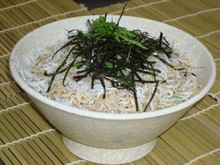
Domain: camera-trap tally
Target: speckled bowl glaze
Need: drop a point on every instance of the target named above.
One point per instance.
(111, 138)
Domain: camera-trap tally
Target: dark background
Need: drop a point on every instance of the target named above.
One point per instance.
(91, 4)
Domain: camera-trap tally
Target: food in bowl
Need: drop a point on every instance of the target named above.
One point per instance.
(114, 70)
(110, 138)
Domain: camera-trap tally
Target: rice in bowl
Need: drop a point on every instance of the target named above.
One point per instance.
(176, 87)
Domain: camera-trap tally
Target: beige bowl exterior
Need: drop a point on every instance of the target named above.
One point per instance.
(111, 131)
(108, 132)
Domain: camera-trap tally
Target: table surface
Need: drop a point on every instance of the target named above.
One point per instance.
(27, 138)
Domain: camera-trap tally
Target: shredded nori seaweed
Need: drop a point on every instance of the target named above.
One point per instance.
(112, 53)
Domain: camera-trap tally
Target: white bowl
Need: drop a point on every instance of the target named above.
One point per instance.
(111, 138)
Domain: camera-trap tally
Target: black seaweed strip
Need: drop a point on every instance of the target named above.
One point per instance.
(104, 88)
(57, 71)
(154, 92)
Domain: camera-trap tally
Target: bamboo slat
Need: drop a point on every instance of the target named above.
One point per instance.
(33, 152)
(25, 154)
(28, 138)
(4, 158)
(12, 158)
(8, 3)
(206, 102)
(211, 43)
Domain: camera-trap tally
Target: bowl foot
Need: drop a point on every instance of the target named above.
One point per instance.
(108, 156)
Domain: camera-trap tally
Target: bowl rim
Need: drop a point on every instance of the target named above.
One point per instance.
(102, 115)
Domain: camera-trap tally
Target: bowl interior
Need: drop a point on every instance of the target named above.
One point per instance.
(39, 39)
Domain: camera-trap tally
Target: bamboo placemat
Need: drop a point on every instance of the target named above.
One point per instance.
(27, 138)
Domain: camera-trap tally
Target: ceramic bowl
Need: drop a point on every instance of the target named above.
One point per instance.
(111, 138)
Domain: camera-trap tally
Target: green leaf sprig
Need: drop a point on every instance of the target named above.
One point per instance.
(101, 28)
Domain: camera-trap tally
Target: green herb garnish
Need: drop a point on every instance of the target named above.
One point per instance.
(177, 97)
(101, 28)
